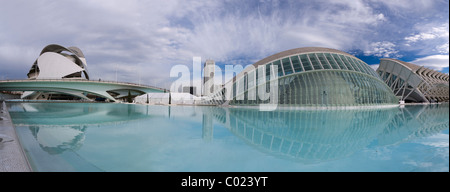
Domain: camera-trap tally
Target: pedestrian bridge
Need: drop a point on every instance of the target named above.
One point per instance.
(80, 87)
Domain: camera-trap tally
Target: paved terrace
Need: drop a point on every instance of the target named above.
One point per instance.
(12, 157)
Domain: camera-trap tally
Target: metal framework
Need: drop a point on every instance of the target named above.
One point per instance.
(413, 83)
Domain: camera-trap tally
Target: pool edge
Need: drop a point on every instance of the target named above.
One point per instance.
(12, 155)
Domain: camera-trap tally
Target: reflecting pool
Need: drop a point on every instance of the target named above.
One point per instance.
(128, 137)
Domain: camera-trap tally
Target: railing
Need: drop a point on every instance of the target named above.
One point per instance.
(83, 80)
(50, 101)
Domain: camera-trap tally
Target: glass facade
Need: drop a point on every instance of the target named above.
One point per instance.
(314, 79)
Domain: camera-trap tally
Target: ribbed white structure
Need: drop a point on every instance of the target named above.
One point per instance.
(413, 83)
(58, 62)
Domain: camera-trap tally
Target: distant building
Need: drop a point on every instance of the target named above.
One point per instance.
(190, 89)
(7, 95)
(208, 77)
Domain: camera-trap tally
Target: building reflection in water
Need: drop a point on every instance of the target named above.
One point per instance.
(55, 140)
(415, 121)
(315, 136)
(62, 127)
(207, 127)
(306, 136)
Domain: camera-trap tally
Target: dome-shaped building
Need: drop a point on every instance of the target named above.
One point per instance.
(58, 62)
(308, 77)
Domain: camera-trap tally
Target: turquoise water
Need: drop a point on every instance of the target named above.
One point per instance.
(124, 137)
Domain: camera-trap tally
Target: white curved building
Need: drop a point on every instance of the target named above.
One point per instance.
(58, 62)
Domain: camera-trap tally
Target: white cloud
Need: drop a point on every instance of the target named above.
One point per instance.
(382, 49)
(265, 29)
(432, 33)
(160, 34)
(351, 12)
(407, 5)
(439, 140)
(23, 54)
(437, 62)
(374, 67)
(431, 38)
(443, 48)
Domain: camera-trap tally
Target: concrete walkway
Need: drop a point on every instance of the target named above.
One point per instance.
(12, 157)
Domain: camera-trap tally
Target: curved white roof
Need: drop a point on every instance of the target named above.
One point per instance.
(58, 62)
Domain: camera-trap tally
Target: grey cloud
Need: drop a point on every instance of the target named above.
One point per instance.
(156, 35)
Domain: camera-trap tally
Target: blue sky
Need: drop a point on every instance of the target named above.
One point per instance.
(143, 40)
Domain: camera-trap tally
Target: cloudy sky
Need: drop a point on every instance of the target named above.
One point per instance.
(143, 40)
